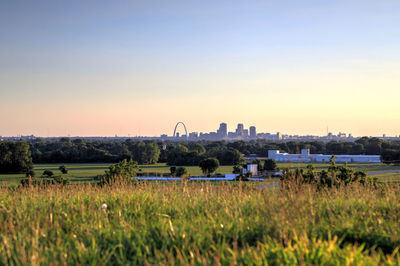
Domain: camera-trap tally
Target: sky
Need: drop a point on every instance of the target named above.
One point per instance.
(100, 68)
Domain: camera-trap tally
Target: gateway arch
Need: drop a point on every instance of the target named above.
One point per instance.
(176, 126)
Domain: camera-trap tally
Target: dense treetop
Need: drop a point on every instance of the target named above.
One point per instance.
(17, 157)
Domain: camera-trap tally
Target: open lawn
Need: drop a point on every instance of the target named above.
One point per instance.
(85, 172)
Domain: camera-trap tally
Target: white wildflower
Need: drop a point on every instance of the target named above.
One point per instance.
(104, 206)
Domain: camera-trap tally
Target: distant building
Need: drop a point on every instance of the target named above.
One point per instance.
(240, 130)
(253, 168)
(222, 132)
(193, 135)
(231, 135)
(253, 133)
(306, 157)
(212, 135)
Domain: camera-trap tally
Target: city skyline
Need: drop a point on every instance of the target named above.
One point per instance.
(223, 133)
(243, 133)
(135, 67)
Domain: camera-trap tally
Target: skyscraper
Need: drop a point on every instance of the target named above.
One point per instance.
(240, 130)
(253, 133)
(223, 130)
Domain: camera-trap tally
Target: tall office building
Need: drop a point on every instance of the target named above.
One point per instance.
(223, 130)
(240, 130)
(253, 133)
(193, 135)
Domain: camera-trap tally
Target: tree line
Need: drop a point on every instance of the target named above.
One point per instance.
(83, 151)
(17, 157)
(191, 153)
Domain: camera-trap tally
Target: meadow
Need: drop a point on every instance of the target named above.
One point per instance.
(199, 224)
(85, 172)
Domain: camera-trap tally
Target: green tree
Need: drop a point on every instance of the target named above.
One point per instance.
(151, 153)
(269, 165)
(15, 157)
(180, 155)
(197, 147)
(309, 175)
(30, 173)
(172, 170)
(237, 169)
(209, 165)
(389, 156)
(231, 157)
(63, 169)
(332, 165)
(48, 173)
(374, 147)
(181, 171)
(122, 171)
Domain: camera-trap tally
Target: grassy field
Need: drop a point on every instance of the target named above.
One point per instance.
(199, 223)
(86, 172)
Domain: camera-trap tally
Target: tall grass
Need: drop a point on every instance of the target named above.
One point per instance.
(199, 223)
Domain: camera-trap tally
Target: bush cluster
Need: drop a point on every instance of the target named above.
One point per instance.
(335, 176)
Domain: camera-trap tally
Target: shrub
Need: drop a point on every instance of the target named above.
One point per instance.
(269, 165)
(48, 173)
(121, 172)
(172, 170)
(40, 182)
(237, 169)
(63, 169)
(333, 177)
(209, 165)
(181, 171)
(30, 173)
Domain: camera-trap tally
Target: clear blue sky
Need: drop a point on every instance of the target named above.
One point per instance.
(124, 67)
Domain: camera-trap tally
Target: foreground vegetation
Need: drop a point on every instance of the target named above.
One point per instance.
(200, 223)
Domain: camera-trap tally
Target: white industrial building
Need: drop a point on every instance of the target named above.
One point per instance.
(252, 168)
(306, 157)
